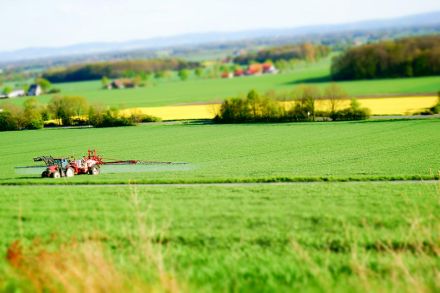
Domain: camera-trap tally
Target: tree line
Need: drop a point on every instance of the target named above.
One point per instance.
(255, 107)
(306, 51)
(407, 57)
(116, 69)
(65, 111)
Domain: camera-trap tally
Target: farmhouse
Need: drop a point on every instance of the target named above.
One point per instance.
(254, 69)
(34, 90)
(238, 72)
(227, 74)
(268, 68)
(16, 93)
(121, 84)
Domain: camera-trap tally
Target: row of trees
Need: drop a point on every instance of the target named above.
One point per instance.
(116, 69)
(306, 51)
(66, 111)
(267, 108)
(30, 116)
(417, 56)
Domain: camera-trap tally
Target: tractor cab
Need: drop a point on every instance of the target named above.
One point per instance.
(61, 163)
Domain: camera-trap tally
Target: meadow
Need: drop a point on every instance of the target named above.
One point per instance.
(174, 92)
(373, 226)
(239, 153)
(307, 236)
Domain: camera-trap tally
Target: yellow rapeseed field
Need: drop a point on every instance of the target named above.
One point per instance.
(378, 106)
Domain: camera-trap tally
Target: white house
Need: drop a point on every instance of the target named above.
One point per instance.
(34, 90)
(16, 93)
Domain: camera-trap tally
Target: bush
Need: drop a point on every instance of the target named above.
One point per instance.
(17, 118)
(7, 122)
(436, 108)
(66, 109)
(354, 112)
(144, 118)
(252, 108)
(255, 108)
(100, 116)
(35, 124)
(433, 110)
(54, 91)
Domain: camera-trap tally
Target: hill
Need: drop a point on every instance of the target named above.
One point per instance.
(426, 21)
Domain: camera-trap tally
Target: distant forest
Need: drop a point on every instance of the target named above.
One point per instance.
(407, 57)
(115, 69)
(304, 51)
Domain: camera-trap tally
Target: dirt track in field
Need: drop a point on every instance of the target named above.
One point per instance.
(238, 184)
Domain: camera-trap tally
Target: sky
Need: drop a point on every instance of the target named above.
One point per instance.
(55, 23)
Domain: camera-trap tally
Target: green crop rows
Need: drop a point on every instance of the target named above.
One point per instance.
(318, 236)
(228, 153)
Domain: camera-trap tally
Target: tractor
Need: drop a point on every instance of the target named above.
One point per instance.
(69, 167)
(90, 164)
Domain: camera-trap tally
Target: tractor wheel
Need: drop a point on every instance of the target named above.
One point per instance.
(70, 172)
(45, 174)
(94, 170)
(56, 174)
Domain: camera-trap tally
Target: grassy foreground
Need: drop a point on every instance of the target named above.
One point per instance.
(323, 236)
(239, 153)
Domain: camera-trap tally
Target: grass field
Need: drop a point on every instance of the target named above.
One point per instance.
(251, 152)
(320, 237)
(312, 236)
(174, 92)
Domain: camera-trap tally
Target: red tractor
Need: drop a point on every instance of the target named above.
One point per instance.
(90, 164)
(69, 167)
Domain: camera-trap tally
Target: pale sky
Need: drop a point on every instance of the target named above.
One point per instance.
(53, 23)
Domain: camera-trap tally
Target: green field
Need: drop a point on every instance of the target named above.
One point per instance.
(250, 152)
(313, 236)
(319, 236)
(173, 92)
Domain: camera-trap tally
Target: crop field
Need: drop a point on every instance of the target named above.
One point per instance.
(175, 92)
(377, 106)
(374, 226)
(250, 152)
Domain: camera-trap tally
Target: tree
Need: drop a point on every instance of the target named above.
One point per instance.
(43, 83)
(105, 82)
(159, 74)
(14, 117)
(64, 109)
(304, 108)
(79, 105)
(96, 114)
(137, 80)
(335, 95)
(7, 90)
(145, 76)
(254, 100)
(184, 74)
(129, 73)
(33, 114)
(198, 72)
